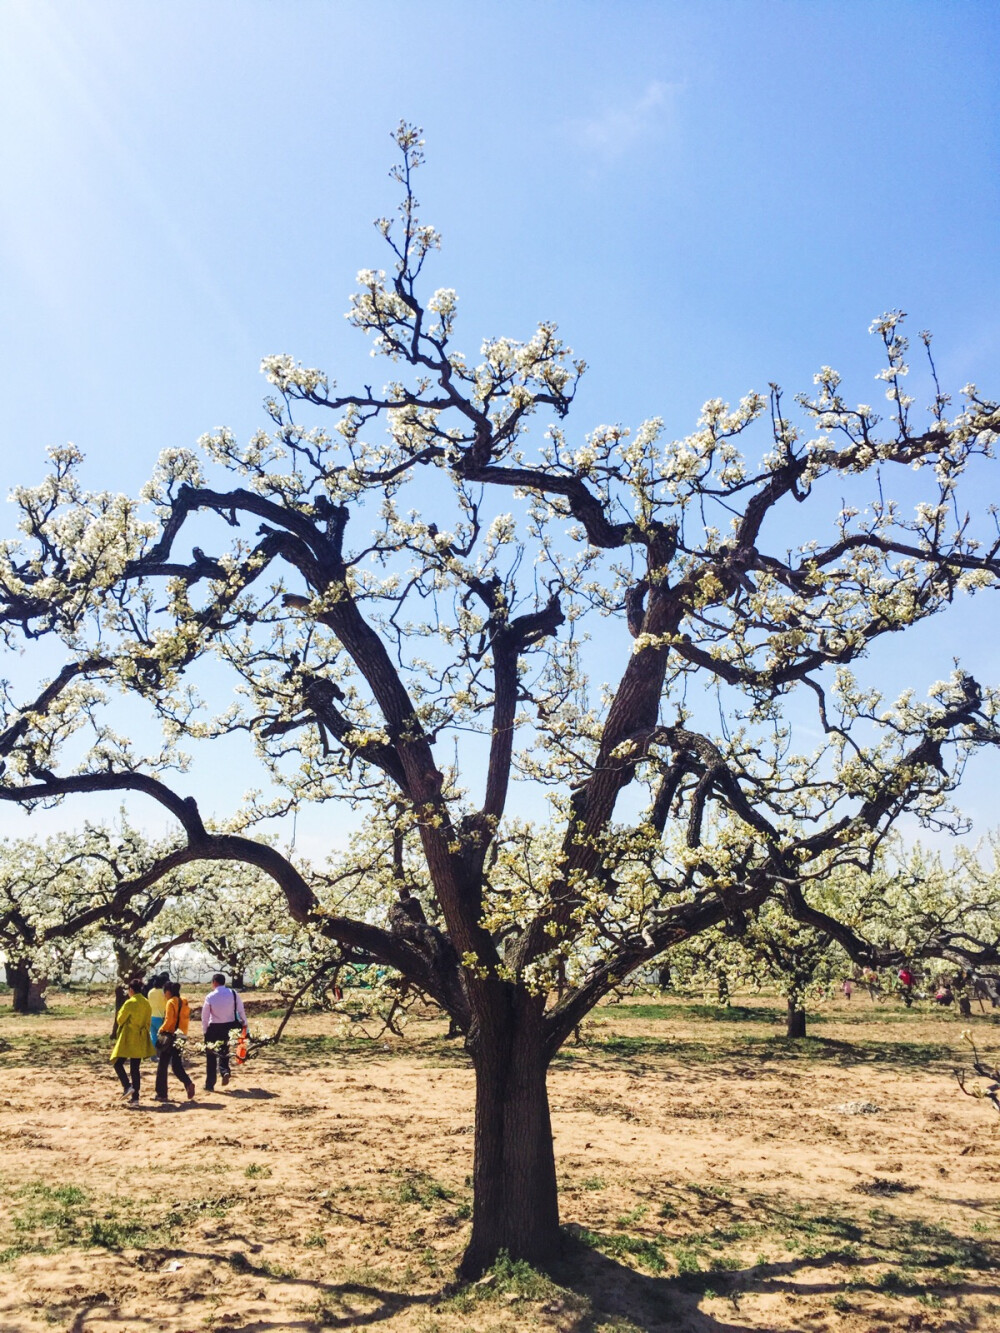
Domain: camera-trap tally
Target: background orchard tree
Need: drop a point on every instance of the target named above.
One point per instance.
(938, 915)
(80, 891)
(403, 601)
(238, 916)
(800, 961)
(46, 919)
(774, 952)
(941, 914)
(26, 909)
(103, 859)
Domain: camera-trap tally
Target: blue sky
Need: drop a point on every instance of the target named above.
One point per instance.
(706, 197)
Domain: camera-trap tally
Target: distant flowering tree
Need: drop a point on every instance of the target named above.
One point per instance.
(40, 924)
(84, 890)
(939, 916)
(238, 916)
(404, 605)
(775, 951)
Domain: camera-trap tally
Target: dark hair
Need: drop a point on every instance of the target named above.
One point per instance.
(163, 979)
(219, 979)
(172, 988)
(135, 983)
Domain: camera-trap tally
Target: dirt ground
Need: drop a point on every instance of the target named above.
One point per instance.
(714, 1178)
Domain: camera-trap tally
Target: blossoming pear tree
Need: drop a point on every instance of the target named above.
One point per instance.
(402, 578)
(43, 923)
(940, 915)
(776, 952)
(238, 917)
(83, 890)
(870, 897)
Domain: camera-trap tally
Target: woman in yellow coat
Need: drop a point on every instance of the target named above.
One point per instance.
(133, 1041)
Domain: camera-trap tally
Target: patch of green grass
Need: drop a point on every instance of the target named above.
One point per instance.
(687, 1259)
(184, 1211)
(509, 1280)
(897, 1284)
(117, 1233)
(518, 1278)
(257, 1171)
(294, 1050)
(12, 1252)
(44, 1218)
(420, 1188)
(929, 1245)
(48, 1049)
(648, 1252)
(725, 1263)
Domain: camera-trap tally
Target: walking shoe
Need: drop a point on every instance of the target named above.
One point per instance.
(225, 1080)
(190, 1092)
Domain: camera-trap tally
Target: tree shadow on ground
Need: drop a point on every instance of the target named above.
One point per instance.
(335, 1304)
(766, 1015)
(613, 1291)
(777, 1050)
(328, 1305)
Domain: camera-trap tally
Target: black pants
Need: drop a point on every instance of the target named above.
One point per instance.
(129, 1084)
(170, 1058)
(216, 1055)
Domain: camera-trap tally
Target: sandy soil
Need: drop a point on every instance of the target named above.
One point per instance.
(709, 1183)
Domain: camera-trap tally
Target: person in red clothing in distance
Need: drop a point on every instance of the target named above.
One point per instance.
(221, 1011)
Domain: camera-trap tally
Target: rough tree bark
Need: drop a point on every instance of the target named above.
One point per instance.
(27, 995)
(514, 1171)
(796, 1026)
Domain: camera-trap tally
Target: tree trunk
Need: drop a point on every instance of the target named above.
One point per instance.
(19, 982)
(515, 1205)
(27, 994)
(126, 967)
(796, 1019)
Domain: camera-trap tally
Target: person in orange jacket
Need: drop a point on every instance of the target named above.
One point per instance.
(172, 1031)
